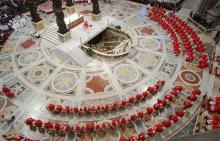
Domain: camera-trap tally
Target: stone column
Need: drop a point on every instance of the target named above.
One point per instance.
(213, 14)
(70, 8)
(96, 13)
(201, 6)
(63, 32)
(36, 20)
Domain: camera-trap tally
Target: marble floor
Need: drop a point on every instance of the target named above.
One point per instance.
(38, 75)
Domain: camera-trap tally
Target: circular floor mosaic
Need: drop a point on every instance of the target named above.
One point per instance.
(190, 77)
(126, 73)
(151, 44)
(29, 58)
(64, 82)
(38, 73)
(41, 75)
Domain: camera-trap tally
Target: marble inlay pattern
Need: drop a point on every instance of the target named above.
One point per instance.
(39, 75)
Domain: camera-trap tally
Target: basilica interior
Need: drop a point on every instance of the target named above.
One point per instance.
(109, 70)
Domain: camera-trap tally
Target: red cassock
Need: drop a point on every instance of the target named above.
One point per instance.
(76, 127)
(141, 136)
(196, 92)
(66, 127)
(67, 109)
(97, 126)
(167, 123)
(168, 97)
(145, 94)
(162, 102)
(19, 138)
(214, 117)
(5, 89)
(177, 51)
(108, 107)
(132, 138)
(151, 132)
(48, 125)
(93, 126)
(114, 123)
(151, 89)
(38, 123)
(59, 108)
(76, 109)
(88, 127)
(124, 103)
(192, 98)
(105, 125)
(81, 110)
(203, 60)
(174, 93)
(131, 100)
(10, 94)
(215, 108)
(92, 109)
(203, 65)
(212, 122)
(178, 88)
(187, 104)
(57, 126)
(116, 105)
(159, 128)
(139, 97)
(122, 139)
(201, 49)
(29, 121)
(140, 114)
(203, 56)
(157, 106)
(86, 109)
(162, 82)
(86, 24)
(180, 113)
(190, 58)
(174, 118)
(149, 110)
(51, 107)
(124, 120)
(157, 86)
(215, 99)
(133, 117)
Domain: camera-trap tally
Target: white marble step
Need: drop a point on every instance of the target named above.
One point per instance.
(50, 39)
(79, 56)
(52, 30)
(51, 35)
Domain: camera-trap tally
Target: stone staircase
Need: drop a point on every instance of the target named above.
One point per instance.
(51, 35)
(79, 56)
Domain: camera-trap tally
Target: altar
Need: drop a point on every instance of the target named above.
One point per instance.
(80, 36)
(74, 20)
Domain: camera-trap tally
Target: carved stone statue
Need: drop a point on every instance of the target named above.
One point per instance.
(33, 10)
(69, 3)
(57, 8)
(95, 4)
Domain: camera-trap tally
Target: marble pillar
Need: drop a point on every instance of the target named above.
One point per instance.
(213, 14)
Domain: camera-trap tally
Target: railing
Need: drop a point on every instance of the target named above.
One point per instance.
(213, 135)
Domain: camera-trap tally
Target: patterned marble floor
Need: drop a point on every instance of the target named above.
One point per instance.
(38, 75)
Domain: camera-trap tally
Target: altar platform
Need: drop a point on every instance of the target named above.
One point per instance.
(74, 20)
(80, 36)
